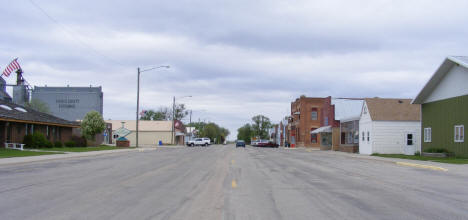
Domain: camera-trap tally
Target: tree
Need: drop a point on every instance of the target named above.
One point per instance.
(92, 124)
(210, 130)
(223, 134)
(245, 133)
(260, 126)
(162, 114)
(180, 112)
(38, 105)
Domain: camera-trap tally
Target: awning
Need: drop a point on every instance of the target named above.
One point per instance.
(324, 129)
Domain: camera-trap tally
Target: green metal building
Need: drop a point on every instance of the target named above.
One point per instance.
(444, 107)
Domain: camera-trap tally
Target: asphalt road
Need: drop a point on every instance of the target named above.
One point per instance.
(222, 182)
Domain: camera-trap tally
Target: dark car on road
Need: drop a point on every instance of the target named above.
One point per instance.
(267, 144)
(240, 143)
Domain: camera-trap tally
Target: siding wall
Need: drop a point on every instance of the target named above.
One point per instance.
(389, 137)
(149, 137)
(365, 125)
(441, 116)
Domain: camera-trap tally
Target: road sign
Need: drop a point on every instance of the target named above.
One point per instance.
(122, 132)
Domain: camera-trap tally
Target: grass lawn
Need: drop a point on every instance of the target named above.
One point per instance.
(5, 153)
(83, 149)
(452, 160)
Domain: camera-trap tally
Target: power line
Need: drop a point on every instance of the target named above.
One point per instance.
(72, 34)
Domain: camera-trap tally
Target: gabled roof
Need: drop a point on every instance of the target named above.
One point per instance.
(13, 112)
(444, 68)
(381, 109)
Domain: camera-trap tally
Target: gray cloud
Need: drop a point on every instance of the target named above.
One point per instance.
(236, 58)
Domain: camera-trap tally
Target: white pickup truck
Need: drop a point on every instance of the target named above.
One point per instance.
(198, 142)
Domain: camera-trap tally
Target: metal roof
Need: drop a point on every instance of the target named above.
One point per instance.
(347, 109)
(443, 69)
(28, 115)
(324, 129)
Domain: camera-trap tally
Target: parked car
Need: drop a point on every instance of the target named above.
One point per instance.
(267, 144)
(240, 143)
(207, 140)
(198, 142)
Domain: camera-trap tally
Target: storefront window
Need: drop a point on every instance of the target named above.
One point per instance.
(350, 132)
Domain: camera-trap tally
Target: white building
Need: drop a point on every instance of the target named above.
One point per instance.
(389, 126)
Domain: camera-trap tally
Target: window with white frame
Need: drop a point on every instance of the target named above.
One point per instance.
(363, 136)
(459, 133)
(427, 134)
(368, 136)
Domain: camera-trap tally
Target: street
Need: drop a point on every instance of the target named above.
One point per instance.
(224, 182)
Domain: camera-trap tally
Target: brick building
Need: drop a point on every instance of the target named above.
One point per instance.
(17, 121)
(306, 116)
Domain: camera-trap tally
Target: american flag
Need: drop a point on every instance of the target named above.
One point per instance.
(14, 65)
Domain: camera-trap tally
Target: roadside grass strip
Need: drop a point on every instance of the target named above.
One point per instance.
(7, 153)
(421, 166)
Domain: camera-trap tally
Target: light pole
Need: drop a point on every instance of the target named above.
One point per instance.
(173, 116)
(138, 95)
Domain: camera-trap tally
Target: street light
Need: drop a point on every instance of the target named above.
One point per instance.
(138, 95)
(173, 116)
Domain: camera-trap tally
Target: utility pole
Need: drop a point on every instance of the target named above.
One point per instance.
(190, 123)
(173, 120)
(138, 104)
(138, 95)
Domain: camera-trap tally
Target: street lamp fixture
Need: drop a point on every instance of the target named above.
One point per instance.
(138, 95)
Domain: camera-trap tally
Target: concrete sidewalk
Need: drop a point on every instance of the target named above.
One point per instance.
(66, 155)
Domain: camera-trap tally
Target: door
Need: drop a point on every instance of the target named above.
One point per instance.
(409, 148)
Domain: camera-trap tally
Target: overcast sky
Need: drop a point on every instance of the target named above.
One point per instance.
(236, 58)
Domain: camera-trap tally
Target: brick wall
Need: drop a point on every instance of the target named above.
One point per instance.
(303, 123)
(16, 132)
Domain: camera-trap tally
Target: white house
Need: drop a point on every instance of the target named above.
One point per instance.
(389, 126)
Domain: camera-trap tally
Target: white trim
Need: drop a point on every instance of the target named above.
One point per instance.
(428, 135)
(412, 138)
(461, 134)
(436, 77)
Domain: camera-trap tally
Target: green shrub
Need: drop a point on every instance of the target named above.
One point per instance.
(70, 144)
(58, 144)
(28, 141)
(49, 144)
(36, 140)
(436, 150)
(39, 140)
(79, 141)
